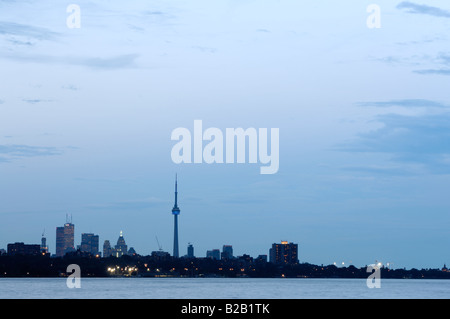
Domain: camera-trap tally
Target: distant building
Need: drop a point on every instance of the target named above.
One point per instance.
(213, 254)
(132, 252)
(65, 239)
(284, 253)
(89, 243)
(107, 250)
(2, 251)
(262, 258)
(190, 251)
(121, 247)
(227, 252)
(160, 255)
(44, 248)
(23, 249)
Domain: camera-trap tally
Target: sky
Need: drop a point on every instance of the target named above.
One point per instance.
(86, 116)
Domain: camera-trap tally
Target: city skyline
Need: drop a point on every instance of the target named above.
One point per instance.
(363, 113)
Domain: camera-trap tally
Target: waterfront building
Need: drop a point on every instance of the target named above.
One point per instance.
(284, 253)
(190, 251)
(227, 252)
(214, 254)
(23, 249)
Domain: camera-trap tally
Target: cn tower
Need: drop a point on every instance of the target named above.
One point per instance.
(175, 213)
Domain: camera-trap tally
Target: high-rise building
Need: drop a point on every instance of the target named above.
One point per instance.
(175, 213)
(213, 254)
(190, 251)
(284, 253)
(65, 239)
(107, 250)
(44, 248)
(227, 252)
(121, 247)
(89, 243)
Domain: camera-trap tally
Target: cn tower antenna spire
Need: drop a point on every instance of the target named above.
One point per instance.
(176, 190)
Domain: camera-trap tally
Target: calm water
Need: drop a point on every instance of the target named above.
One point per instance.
(207, 288)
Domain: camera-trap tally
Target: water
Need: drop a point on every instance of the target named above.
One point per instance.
(221, 288)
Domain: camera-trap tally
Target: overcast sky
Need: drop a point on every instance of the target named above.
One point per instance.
(86, 116)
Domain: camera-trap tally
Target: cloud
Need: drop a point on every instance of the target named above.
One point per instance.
(35, 101)
(205, 49)
(117, 62)
(70, 87)
(423, 9)
(14, 151)
(377, 170)
(405, 103)
(423, 140)
(433, 71)
(26, 31)
(443, 61)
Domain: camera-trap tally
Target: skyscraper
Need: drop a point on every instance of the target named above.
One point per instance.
(175, 212)
(190, 251)
(44, 248)
(227, 252)
(65, 239)
(284, 253)
(89, 243)
(121, 247)
(107, 250)
(213, 254)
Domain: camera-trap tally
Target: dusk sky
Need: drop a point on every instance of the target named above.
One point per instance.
(86, 116)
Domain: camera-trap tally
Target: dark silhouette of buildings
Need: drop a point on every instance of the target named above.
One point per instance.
(23, 249)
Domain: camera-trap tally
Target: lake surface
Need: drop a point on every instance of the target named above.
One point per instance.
(221, 288)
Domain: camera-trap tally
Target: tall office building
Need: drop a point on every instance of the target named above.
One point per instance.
(227, 252)
(175, 212)
(44, 248)
(89, 243)
(213, 254)
(65, 239)
(190, 251)
(121, 247)
(107, 250)
(284, 253)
